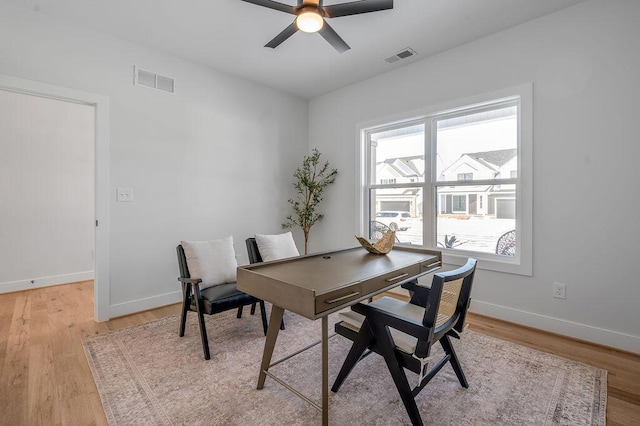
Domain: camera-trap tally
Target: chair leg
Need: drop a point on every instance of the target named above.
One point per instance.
(455, 363)
(203, 336)
(263, 314)
(365, 337)
(239, 315)
(282, 325)
(385, 343)
(253, 308)
(203, 329)
(186, 300)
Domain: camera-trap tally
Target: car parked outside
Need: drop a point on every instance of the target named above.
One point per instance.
(396, 220)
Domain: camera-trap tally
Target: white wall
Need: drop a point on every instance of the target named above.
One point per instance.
(583, 62)
(215, 159)
(46, 186)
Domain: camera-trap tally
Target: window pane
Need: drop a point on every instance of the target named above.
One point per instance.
(478, 146)
(397, 155)
(475, 217)
(399, 209)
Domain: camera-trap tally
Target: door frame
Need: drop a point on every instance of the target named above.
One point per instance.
(100, 103)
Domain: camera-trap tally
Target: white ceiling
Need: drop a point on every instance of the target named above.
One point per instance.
(229, 35)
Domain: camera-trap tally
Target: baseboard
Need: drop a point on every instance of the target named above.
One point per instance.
(139, 305)
(613, 339)
(32, 283)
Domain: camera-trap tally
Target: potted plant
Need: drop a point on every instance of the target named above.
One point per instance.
(310, 181)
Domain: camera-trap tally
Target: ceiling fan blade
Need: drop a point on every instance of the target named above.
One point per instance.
(284, 34)
(356, 7)
(333, 38)
(274, 5)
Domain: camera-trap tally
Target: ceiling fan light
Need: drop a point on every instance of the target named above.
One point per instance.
(309, 21)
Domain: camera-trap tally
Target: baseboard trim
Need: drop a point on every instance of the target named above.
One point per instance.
(32, 283)
(613, 339)
(139, 305)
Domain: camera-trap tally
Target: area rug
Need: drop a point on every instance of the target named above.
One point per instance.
(147, 375)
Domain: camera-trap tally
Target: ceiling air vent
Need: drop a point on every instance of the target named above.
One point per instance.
(152, 80)
(403, 54)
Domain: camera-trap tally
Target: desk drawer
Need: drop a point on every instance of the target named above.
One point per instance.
(383, 281)
(336, 298)
(430, 265)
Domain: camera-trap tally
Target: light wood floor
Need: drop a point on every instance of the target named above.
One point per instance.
(45, 379)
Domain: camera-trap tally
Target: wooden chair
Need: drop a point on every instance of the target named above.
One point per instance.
(404, 332)
(254, 257)
(210, 301)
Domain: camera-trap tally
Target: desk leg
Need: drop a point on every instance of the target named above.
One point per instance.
(325, 370)
(270, 343)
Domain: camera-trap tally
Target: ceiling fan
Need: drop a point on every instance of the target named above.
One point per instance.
(311, 14)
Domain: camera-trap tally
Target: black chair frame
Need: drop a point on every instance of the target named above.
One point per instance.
(255, 257)
(210, 301)
(374, 336)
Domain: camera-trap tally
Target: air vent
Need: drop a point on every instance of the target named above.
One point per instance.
(152, 80)
(403, 54)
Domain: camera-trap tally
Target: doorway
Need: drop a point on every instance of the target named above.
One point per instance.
(54, 154)
(47, 188)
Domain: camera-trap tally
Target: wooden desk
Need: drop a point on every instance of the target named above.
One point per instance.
(316, 285)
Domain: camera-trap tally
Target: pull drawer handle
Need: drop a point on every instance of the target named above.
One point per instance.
(397, 277)
(355, 293)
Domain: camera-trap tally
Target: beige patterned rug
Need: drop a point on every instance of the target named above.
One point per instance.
(147, 375)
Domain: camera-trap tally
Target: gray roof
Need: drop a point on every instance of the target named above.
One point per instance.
(497, 158)
(492, 159)
(408, 162)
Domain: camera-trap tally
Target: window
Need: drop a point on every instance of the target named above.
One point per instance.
(456, 173)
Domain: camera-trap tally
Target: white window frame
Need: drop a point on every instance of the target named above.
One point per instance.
(522, 263)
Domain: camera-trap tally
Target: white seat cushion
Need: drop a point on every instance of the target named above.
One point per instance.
(404, 342)
(274, 247)
(214, 261)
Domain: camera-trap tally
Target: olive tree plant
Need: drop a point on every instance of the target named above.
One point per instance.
(310, 182)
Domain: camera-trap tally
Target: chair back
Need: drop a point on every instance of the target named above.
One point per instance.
(447, 303)
(377, 230)
(449, 298)
(182, 262)
(506, 245)
(252, 250)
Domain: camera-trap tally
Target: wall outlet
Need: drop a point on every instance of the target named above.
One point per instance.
(124, 195)
(559, 290)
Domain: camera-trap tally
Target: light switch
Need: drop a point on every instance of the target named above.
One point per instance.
(124, 195)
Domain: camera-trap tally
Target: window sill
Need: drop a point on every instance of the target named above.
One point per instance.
(488, 261)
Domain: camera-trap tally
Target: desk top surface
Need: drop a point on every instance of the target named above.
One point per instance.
(291, 283)
(328, 271)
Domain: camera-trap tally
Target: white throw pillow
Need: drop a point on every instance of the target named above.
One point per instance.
(214, 262)
(274, 247)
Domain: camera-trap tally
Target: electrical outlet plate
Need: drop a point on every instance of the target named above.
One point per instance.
(559, 290)
(124, 195)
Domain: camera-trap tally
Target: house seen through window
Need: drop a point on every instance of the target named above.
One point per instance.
(447, 180)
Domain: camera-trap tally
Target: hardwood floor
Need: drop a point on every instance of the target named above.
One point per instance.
(45, 379)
